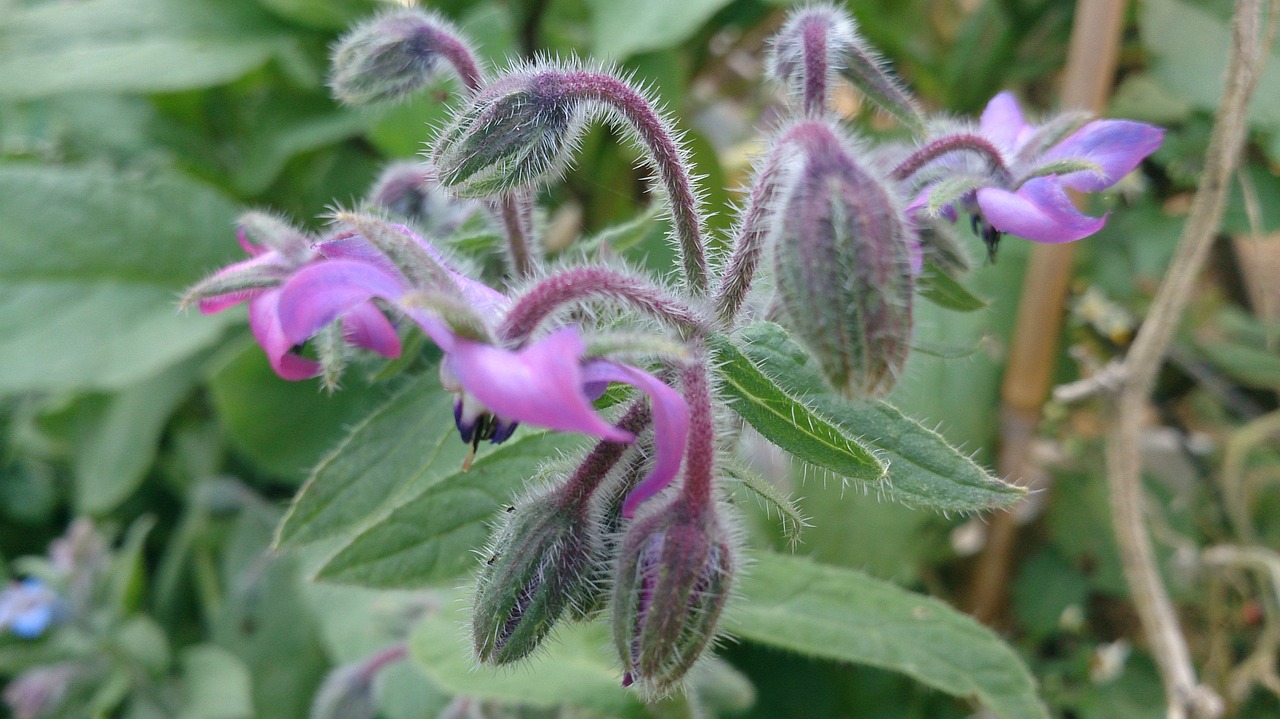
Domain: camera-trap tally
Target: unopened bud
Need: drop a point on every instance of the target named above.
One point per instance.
(844, 266)
(396, 54)
(515, 132)
(347, 692)
(274, 232)
(673, 580)
(541, 564)
(40, 692)
(410, 190)
(822, 40)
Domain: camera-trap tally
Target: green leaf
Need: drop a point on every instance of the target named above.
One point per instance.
(787, 421)
(250, 401)
(924, 470)
(1251, 366)
(112, 457)
(216, 684)
(1194, 70)
(290, 124)
(622, 29)
(847, 616)
(64, 46)
(943, 290)
(435, 535)
(578, 668)
(91, 263)
(390, 451)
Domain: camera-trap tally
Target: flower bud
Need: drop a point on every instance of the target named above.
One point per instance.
(348, 693)
(672, 582)
(843, 265)
(410, 190)
(40, 692)
(396, 54)
(541, 564)
(819, 41)
(516, 131)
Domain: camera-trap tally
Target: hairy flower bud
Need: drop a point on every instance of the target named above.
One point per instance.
(844, 265)
(541, 565)
(396, 54)
(410, 190)
(820, 41)
(672, 582)
(516, 131)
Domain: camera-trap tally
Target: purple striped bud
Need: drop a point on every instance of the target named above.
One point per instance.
(396, 54)
(518, 130)
(672, 582)
(541, 565)
(843, 260)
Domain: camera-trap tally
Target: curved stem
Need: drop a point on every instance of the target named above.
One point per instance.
(666, 156)
(460, 56)
(586, 283)
(748, 247)
(963, 142)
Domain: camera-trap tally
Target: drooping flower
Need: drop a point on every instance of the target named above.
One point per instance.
(257, 280)
(1029, 168)
(549, 382)
(28, 608)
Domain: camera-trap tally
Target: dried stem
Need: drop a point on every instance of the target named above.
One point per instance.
(1185, 695)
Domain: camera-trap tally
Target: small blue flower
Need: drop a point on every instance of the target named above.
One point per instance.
(27, 608)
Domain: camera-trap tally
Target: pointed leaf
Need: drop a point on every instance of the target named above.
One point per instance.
(924, 470)
(848, 616)
(435, 535)
(392, 450)
(787, 421)
(943, 290)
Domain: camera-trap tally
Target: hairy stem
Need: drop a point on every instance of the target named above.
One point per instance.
(587, 283)
(699, 455)
(667, 158)
(816, 71)
(963, 142)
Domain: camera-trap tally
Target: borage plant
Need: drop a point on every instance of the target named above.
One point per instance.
(641, 526)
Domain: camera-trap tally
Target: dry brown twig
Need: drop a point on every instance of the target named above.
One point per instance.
(1186, 697)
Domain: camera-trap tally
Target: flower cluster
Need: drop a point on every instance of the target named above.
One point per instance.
(639, 526)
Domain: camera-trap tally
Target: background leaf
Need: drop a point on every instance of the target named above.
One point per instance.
(100, 256)
(623, 28)
(848, 616)
(64, 46)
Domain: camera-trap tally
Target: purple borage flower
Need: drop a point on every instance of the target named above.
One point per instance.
(258, 280)
(549, 382)
(1030, 168)
(27, 608)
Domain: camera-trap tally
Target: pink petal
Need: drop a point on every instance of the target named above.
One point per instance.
(1003, 124)
(250, 249)
(670, 427)
(1040, 211)
(365, 326)
(322, 292)
(264, 322)
(541, 384)
(1116, 146)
